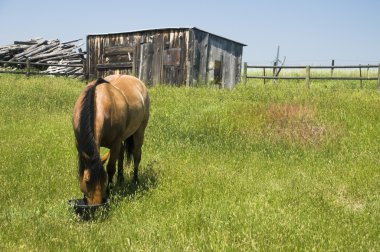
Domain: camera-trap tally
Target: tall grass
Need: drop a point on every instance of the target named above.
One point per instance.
(273, 167)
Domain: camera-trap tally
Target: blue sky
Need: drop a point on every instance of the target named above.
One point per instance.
(308, 32)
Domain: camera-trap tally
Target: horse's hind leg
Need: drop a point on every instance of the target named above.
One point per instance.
(129, 145)
(120, 164)
(129, 149)
(138, 139)
(136, 163)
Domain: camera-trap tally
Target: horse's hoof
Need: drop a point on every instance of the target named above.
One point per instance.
(109, 189)
(135, 181)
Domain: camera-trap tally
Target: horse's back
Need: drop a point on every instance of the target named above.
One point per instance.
(135, 95)
(132, 88)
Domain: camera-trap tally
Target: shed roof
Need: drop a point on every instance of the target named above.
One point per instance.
(165, 29)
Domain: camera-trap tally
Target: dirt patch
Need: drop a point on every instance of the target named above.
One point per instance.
(294, 123)
(344, 199)
(289, 123)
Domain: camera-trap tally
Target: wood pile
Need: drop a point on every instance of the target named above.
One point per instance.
(45, 52)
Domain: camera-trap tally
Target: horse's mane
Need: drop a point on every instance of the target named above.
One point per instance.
(88, 153)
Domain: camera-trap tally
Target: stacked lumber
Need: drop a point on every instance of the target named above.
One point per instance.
(65, 68)
(45, 52)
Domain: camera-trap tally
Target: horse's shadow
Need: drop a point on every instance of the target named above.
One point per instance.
(127, 189)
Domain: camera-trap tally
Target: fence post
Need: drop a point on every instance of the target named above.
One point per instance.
(368, 71)
(245, 73)
(360, 72)
(27, 67)
(378, 77)
(274, 71)
(307, 78)
(332, 67)
(264, 75)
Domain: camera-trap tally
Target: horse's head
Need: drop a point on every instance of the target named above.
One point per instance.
(93, 180)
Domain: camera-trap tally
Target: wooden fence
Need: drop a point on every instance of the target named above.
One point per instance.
(308, 77)
(28, 70)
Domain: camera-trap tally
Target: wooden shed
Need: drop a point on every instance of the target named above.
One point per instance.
(178, 56)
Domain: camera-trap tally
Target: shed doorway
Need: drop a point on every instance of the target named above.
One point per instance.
(218, 73)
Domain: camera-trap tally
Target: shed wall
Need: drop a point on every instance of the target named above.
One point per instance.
(155, 57)
(166, 56)
(221, 59)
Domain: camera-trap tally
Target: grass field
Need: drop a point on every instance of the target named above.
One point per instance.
(274, 167)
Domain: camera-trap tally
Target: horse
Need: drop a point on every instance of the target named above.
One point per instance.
(113, 113)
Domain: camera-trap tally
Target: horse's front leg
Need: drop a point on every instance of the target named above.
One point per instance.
(111, 166)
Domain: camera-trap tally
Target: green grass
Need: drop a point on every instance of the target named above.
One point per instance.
(274, 167)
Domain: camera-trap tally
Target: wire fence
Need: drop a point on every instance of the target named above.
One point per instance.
(275, 73)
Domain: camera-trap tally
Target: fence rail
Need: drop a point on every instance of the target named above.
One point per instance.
(308, 77)
(27, 71)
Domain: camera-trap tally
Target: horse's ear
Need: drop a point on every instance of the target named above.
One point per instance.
(105, 157)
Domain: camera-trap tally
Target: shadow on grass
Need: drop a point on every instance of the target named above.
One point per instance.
(129, 190)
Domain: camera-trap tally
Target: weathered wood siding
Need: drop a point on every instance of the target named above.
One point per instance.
(199, 43)
(154, 56)
(110, 54)
(176, 56)
(217, 60)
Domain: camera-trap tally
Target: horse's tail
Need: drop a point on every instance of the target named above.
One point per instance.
(87, 149)
(87, 116)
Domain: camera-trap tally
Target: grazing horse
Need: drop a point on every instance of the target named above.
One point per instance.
(112, 112)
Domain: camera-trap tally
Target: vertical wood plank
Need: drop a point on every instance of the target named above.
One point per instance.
(141, 60)
(187, 69)
(192, 51)
(157, 59)
(182, 74)
(332, 68)
(245, 73)
(206, 55)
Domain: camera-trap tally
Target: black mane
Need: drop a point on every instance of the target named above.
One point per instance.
(88, 153)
